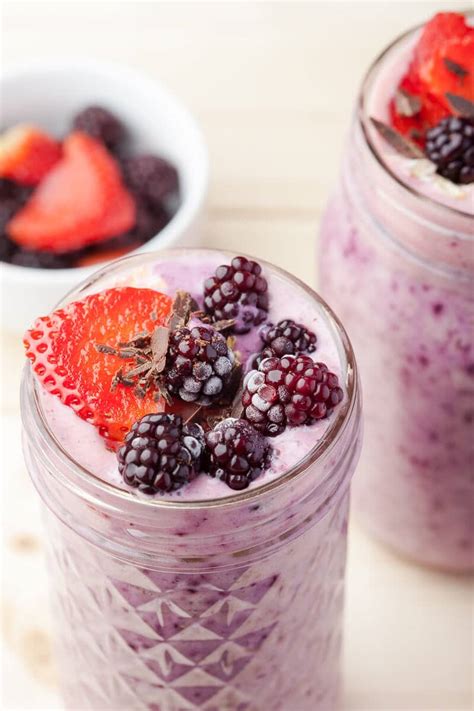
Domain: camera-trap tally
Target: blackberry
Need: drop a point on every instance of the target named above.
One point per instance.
(12, 197)
(7, 248)
(289, 391)
(237, 291)
(286, 338)
(450, 145)
(100, 124)
(160, 453)
(199, 365)
(42, 260)
(151, 178)
(237, 453)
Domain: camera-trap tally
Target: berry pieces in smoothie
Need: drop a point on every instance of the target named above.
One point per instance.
(237, 452)
(160, 453)
(101, 124)
(289, 391)
(441, 64)
(450, 145)
(199, 365)
(286, 338)
(66, 356)
(239, 292)
(27, 154)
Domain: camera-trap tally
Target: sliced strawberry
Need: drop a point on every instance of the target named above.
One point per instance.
(444, 57)
(106, 255)
(62, 348)
(442, 63)
(27, 154)
(81, 201)
(430, 113)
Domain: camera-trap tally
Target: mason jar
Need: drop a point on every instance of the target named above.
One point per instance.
(228, 604)
(396, 263)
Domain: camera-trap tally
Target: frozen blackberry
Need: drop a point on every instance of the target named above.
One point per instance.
(100, 124)
(160, 453)
(450, 145)
(42, 260)
(237, 453)
(199, 365)
(289, 391)
(151, 178)
(237, 291)
(7, 248)
(12, 197)
(286, 338)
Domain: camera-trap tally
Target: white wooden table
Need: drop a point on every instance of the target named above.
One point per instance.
(273, 86)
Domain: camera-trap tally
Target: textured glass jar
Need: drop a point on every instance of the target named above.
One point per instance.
(398, 266)
(232, 604)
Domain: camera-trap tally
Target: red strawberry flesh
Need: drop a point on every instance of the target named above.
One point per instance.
(442, 63)
(81, 201)
(27, 154)
(62, 348)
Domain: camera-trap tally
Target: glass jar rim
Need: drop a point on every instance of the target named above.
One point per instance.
(31, 404)
(363, 121)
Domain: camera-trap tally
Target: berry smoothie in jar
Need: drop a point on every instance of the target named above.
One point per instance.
(191, 423)
(397, 264)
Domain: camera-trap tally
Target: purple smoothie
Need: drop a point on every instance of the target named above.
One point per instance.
(200, 599)
(397, 263)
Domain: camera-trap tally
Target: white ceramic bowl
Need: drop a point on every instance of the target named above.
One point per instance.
(50, 94)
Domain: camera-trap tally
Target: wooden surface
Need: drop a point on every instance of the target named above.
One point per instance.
(273, 87)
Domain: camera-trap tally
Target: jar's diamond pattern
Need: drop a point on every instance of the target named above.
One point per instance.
(141, 640)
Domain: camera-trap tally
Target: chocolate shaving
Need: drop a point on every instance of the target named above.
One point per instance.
(202, 316)
(139, 340)
(142, 369)
(407, 104)
(183, 306)
(401, 144)
(108, 350)
(192, 416)
(237, 407)
(463, 106)
(222, 325)
(455, 68)
(159, 347)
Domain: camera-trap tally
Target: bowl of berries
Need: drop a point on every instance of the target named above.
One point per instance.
(96, 161)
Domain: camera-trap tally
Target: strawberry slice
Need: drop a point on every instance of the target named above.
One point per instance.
(442, 63)
(430, 113)
(62, 349)
(444, 57)
(81, 201)
(27, 154)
